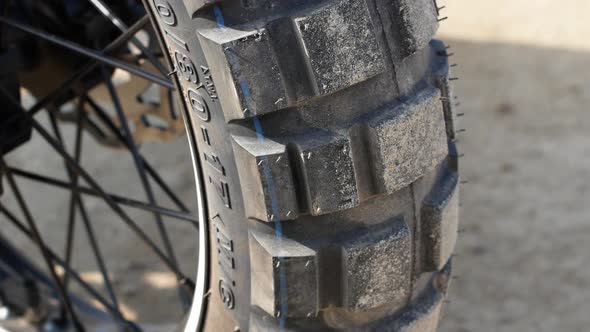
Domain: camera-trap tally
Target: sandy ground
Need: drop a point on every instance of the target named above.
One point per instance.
(522, 258)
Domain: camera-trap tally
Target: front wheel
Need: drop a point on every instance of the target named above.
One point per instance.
(325, 133)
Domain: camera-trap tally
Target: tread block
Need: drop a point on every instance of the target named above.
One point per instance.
(319, 173)
(439, 221)
(246, 71)
(313, 175)
(265, 171)
(273, 258)
(414, 23)
(341, 45)
(292, 59)
(328, 173)
(441, 80)
(378, 267)
(408, 141)
(423, 314)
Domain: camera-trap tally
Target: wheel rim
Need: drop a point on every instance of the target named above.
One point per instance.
(75, 173)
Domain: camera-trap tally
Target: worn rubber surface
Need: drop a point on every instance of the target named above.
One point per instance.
(325, 133)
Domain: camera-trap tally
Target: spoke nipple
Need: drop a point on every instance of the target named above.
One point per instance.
(309, 314)
(260, 162)
(461, 130)
(443, 19)
(278, 314)
(318, 209)
(279, 158)
(457, 104)
(309, 155)
(278, 264)
(272, 217)
(278, 101)
(245, 111)
(464, 182)
(460, 114)
(308, 262)
(206, 295)
(288, 213)
(454, 65)
(441, 8)
(453, 78)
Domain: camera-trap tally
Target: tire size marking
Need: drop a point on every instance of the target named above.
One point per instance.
(225, 250)
(165, 12)
(186, 67)
(222, 190)
(205, 133)
(226, 294)
(200, 109)
(214, 162)
(199, 105)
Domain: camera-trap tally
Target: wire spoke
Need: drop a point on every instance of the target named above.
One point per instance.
(88, 67)
(55, 258)
(107, 12)
(126, 131)
(117, 199)
(70, 88)
(90, 53)
(36, 236)
(105, 119)
(76, 200)
(112, 204)
(72, 206)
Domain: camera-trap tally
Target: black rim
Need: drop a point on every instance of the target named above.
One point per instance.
(75, 172)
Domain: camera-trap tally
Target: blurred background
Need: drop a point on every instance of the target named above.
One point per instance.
(522, 258)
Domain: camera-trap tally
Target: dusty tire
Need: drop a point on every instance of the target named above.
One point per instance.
(325, 135)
